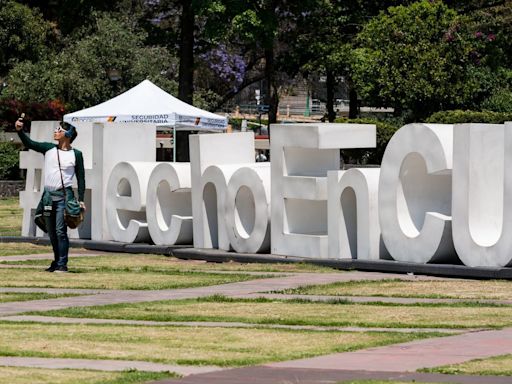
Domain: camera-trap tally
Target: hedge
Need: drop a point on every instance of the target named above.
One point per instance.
(9, 161)
(459, 117)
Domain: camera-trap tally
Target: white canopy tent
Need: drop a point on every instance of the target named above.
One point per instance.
(147, 103)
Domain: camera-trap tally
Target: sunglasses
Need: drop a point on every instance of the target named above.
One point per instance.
(59, 129)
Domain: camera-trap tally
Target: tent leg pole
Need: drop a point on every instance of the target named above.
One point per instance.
(174, 144)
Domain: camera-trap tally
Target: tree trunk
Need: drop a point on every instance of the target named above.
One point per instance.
(330, 83)
(271, 97)
(186, 74)
(186, 70)
(353, 105)
(182, 146)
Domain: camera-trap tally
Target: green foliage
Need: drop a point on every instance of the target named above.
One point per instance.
(9, 161)
(422, 58)
(460, 116)
(500, 101)
(206, 99)
(79, 74)
(373, 155)
(23, 34)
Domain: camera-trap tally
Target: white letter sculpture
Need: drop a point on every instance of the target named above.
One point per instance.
(248, 209)
(301, 156)
(482, 194)
(225, 181)
(169, 205)
(126, 201)
(353, 215)
(415, 194)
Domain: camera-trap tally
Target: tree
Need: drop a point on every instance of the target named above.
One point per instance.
(23, 35)
(68, 16)
(421, 58)
(326, 39)
(266, 30)
(79, 74)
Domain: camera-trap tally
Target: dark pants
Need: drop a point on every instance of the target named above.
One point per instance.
(58, 234)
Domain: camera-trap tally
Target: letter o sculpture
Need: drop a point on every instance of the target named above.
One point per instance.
(248, 209)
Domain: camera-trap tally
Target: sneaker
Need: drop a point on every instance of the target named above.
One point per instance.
(51, 268)
(61, 269)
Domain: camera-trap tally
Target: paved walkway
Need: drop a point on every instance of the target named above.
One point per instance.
(267, 375)
(414, 355)
(229, 290)
(49, 256)
(102, 365)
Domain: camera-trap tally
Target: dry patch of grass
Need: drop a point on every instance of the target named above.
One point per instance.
(495, 366)
(14, 249)
(302, 313)
(18, 375)
(181, 345)
(158, 262)
(11, 216)
(452, 289)
(113, 279)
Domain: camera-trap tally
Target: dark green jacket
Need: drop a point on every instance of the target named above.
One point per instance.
(44, 206)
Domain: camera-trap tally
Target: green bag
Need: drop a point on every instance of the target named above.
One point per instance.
(73, 214)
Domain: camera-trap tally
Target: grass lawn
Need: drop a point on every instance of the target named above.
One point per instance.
(114, 279)
(15, 296)
(14, 249)
(162, 263)
(10, 217)
(452, 289)
(302, 313)
(16, 375)
(496, 366)
(182, 345)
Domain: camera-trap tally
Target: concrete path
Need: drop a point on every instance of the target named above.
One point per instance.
(223, 324)
(266, 375)
(102, 365)
(230, 290)
(57, 291)
(411, 356)
(49, 256)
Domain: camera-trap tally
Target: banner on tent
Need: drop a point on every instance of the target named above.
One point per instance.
(167, 119)
(203, 122)
(156, 119)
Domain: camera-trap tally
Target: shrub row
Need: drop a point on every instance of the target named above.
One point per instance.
(459, 117)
